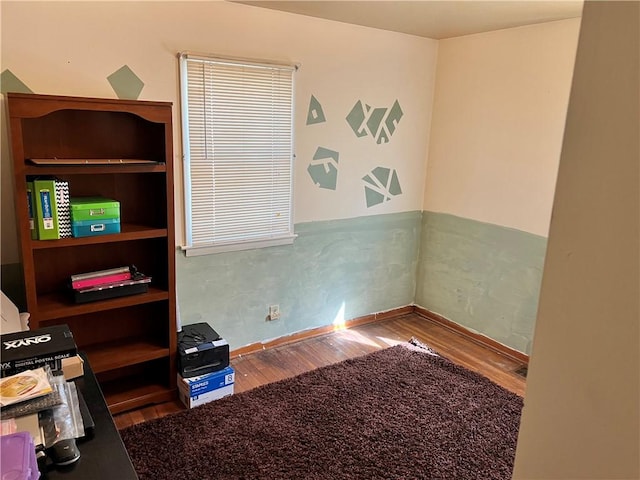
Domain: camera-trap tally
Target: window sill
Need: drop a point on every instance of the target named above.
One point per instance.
(194, 251)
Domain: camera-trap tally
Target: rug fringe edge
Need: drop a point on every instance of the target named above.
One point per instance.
(417, 345)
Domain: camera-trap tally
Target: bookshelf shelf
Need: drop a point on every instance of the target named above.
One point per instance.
(126, 394)
(93, 169)
(112, 355)
(128, 232)
(131, 340)
(58, 306)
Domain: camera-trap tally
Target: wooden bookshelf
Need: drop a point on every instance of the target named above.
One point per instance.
(123, 150)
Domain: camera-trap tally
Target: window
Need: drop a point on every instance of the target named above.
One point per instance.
(237, 120)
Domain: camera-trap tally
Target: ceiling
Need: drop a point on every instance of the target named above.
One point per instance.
(436, 19)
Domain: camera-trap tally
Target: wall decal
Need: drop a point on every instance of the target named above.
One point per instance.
(316, 114)
(380, 123)
(356, 118)
(10, 83)
(395, 114)
(125, 83)
(323, 169)
(382, 184)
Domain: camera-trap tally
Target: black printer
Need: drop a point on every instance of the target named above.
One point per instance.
(201, 350)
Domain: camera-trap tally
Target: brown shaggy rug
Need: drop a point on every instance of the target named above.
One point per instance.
(398, 413)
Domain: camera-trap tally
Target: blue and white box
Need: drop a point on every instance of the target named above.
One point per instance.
(196, 391)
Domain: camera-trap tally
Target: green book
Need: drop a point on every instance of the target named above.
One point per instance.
(46, 209)
(31, 204)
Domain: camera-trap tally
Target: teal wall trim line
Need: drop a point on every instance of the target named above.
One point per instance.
(482, 276)
(335, 270)
(10, 83)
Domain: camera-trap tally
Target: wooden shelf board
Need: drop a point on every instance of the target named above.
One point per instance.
(55, 306)
(31, 105)
(112, 355)
(71, 162)
(128, 394)
(93, 169)
(128, 232)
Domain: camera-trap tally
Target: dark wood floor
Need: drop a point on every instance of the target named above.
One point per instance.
(286, 361)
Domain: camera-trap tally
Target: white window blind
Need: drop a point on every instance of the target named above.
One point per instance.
(238, 147)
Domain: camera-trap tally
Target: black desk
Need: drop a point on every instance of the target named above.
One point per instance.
(102, 457)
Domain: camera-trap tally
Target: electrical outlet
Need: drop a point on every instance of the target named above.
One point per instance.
(274, 312)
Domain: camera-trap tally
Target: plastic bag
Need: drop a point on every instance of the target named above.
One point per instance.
(64, 421)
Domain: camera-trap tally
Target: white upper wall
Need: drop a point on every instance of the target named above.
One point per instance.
(70, 48)
(498, 119)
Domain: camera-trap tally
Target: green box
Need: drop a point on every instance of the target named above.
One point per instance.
(94, 208)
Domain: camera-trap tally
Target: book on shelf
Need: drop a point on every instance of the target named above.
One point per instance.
(44, 191)
(52, 212)
(31, 201)
(63, 208)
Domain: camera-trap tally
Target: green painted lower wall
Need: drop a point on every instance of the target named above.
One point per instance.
(339, 269)
(482, 276)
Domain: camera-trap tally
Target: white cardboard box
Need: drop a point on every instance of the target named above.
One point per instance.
(196, 391)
